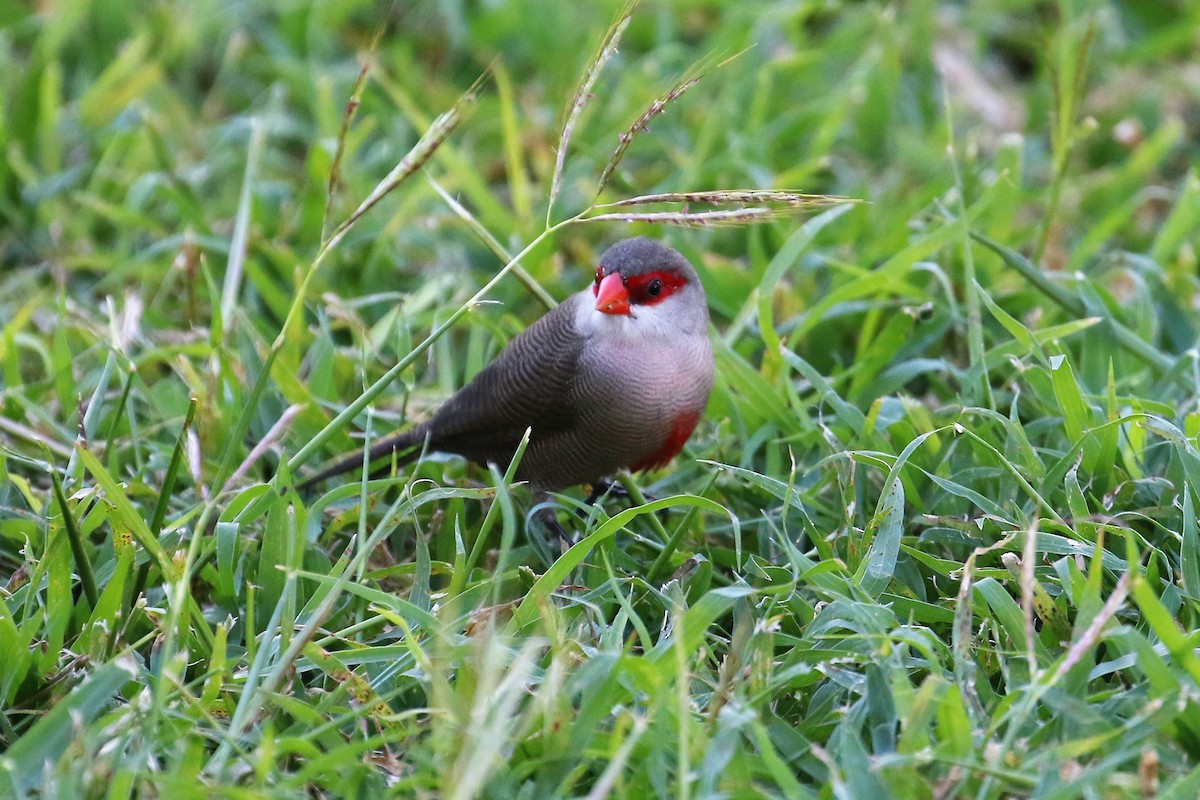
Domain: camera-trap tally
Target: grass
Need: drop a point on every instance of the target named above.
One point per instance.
(935, 538)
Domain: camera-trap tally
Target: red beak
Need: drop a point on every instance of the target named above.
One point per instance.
(611, 295)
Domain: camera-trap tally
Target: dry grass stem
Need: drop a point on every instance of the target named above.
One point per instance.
(723, 197)
(1091, 635)
(273, 437)
(718, 216)
(1028, 581)
(694, 219)
(335, 169)
(418, 156)
(657, 106)
(608, 48)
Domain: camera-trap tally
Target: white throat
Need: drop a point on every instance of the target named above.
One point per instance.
(646, 323)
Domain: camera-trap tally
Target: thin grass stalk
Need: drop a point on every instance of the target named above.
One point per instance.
(672, 542)
(458, 574)
(335, 168)
(494, 245)
(583, 93)
(489, 518)
(1068, 301)
(159, 515)
(500, 686)
(417, 157)
(249, 404)
(109, 449)
(1028, 579)
(1012, 470)
(83, 564)
(557, 573)
(683, 713)
(975, 350)
(694, 219)
(90, 417)
(1061, 134)
(1091, 635)
(272, 436)
(965, 668)
(363, 534)
(639, 499)
(748, 206)
(720, 197)
(508, 518)
(656, 107)
(612, 771)
(241, 227)
(168, 486)
(624, 599)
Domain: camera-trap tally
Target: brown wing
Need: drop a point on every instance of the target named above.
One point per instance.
(528, 385)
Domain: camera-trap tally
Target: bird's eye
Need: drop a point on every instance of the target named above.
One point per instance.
(653, 287)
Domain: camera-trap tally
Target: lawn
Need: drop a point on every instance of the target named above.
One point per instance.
(936, 535)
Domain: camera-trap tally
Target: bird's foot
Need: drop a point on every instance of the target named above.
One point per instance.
(548, 517)
(601, 488)
(615, 489)
(612, 489)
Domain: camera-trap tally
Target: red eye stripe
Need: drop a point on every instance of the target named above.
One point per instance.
(651, 288)
(599, 277)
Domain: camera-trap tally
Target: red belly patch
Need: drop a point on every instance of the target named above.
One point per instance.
(681, 430)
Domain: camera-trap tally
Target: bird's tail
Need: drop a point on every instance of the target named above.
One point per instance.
(399, 448)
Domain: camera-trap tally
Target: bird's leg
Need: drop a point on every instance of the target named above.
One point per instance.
(546, 513)
(603, 487)
(616, 489)
(549, 519)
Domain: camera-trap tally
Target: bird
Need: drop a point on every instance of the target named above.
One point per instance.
(615, 377)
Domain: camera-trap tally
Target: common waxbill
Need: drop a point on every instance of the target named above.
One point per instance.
(615, 377)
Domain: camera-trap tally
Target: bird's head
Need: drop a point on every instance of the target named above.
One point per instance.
(643, 286)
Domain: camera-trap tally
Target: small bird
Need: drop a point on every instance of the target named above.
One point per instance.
(616, 377)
